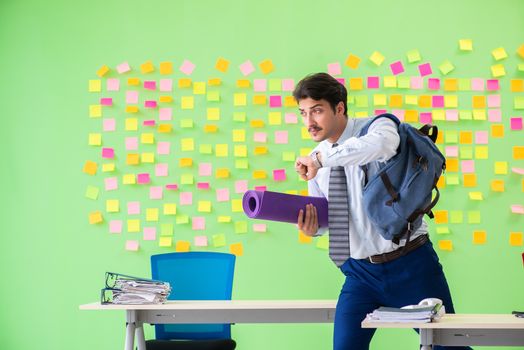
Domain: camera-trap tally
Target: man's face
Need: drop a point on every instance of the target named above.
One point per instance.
(319, 118)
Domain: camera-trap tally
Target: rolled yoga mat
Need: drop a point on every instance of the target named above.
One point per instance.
(275, 206)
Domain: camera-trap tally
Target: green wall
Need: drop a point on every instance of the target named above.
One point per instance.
(52, 260)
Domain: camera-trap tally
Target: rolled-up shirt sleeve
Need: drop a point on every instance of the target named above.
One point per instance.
(379, 144)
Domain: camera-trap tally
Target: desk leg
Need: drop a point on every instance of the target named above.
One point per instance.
(426, 339)
(140, 338)
(130, 329)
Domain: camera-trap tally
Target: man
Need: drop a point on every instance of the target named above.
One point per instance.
(378, 272)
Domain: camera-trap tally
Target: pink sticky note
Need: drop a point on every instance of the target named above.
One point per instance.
(132, 245)
(205, 169)
(115, 226)
(288, 84)
(143, 178)
(113, 84)
(163, 147)
(149, 233)
(166, 84)
(425, 69)
(260, 137)
(341, 81)
(494, 115)
(382, 111)
(150, 85)
(334, 68)
(247, 68)
(373, 82)
(155, 192)
(108, 153)
(165, 113)
(467, 166)
(111, 183)
(477, 84)
(396, 67)
(203, 185)
(493, 84)
(260, 85)
(109, 124)
(281, 137)
(187, 67)
(519, 171)
(149, 122)
(200, 241)
(417, 83)
(260, 188)
(481, 137)
(451, 151)
(106, 101)
(275, 101)
(494, 101)
(517, 209)
(279, 174)
(222, 194)
(123, 68)
(426, 118)
(161, 169)
(437, 101)
(399, 113)
(259, 227)
(150, 104)
(240, 186)
(198, 223)
(452, 115)
(133, 208)
(516, 123)
(131, 96)
(433, 83)
(186, 198)
(172, 187)
(131, 143)
(290, 118)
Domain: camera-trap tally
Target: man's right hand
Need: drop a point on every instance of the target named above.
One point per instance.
(308, 222)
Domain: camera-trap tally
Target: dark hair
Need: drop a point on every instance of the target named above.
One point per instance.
(320, 86)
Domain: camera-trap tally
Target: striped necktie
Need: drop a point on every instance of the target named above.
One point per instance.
(338, 215)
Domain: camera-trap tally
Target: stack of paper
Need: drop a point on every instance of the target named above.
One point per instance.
(123, 289)
(416, 314)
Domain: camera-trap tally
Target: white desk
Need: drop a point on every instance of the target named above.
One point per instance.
(219, 311)
(465, 329)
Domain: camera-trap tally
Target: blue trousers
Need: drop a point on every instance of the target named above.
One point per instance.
(403, 281)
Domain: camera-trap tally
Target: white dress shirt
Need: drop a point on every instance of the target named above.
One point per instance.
(379, 144)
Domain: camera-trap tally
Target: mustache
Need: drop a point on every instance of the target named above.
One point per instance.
(315, 128)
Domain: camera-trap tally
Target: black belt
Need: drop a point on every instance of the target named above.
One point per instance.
(411, 246)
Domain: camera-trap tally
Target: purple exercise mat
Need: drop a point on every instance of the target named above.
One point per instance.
(275, 206)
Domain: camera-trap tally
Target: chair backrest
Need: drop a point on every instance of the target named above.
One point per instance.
(195, 276)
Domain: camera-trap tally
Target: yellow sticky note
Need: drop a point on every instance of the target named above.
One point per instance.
(152, 214)
(147, 157)
(95, 139)
(256, 123)
(165, 241)
(133, 225)
(443, 230)
(169, 208)
(239, 99)
(199, 88)
(481, 152)
(479, 237)
(222, 173)
(221, 150)
(102, 71)
(390, 81)
(214, 82)
(515, 238)
(147, 138)
(497, 185)
(205, 149)
(266, 66)
(497, 70)
(240, 151)
(210, 128)
(377, 58)
(236, 249)
(129, 179)
(236, 205)
(131, 124)
(131, 109)
(222, 65)
(108, 167)
(213, 113)
(112, 205)
(182, 246)
(304, 133)
(223, 219)
(95, 217)
(166, 68)
(187, 144)
(501, 168)
(451, 101)
(499, 54)
(275, 118)
(188, 102)
(95, 85)
(476, 196)
(352, 61)
(95, 111)
(466, 45)
(445, 244)
(379, 100)
(204, 206)
(259, 174)
(303, 238)
(239, 135)
(147, 67)
(213, 96)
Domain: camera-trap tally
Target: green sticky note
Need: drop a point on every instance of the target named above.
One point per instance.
(351, 100)
(443, 230)
(465, 115)
(521, 67)
(519, 102)
(219, 240)
(182, 219)
(241, 164)
(275, 85)
(466, 152)
(474, 217)
(288, 156)
(323, 242)
(92, 192)
(446, 67)
(403, 82)
(166, 229)
(240, 227)
(413, 56)
(239, 116)
(451, 136)
(186, 123)
(464, 84)
(213, 96)
(456, 216)
(186, 179)
(452, 179)
(361, 101)
(205, 149)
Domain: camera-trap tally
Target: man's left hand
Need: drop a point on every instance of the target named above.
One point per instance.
(305, 167)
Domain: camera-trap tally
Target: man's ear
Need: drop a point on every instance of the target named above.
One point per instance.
(340, 108)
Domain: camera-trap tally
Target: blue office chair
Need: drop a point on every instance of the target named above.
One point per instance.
(194, 276)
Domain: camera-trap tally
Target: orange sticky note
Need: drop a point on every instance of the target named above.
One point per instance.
(259, 150)
(445, 244)
(165, 128)
(182, 246)
(441, 216)
(95, 217)
(236, 249)
(166, 99)
(518, 152)
(497, 130)
(520, 51)
(515, 238)
(214, 82)
(185, 162)
(133, 159)
(243, 83)
(450, 84)
(517, 85)
(352, 61)
(256, 123)
(497, 185)
(147, 67)
(303, 238)
(222, 65)
(259, 99)
(452, 165)
(184, 82)
(102, 71)
(166, 68)
(479, 101)
(266, 66)
(210, 128)
(469, 180)
(259, 174)
(90, 167)
(131, 109)
(133, 81)
(222, 173)
(356, 84)
(465, 137)
(479, 237)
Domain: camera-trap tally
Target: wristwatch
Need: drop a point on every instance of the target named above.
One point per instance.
(316, 161)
